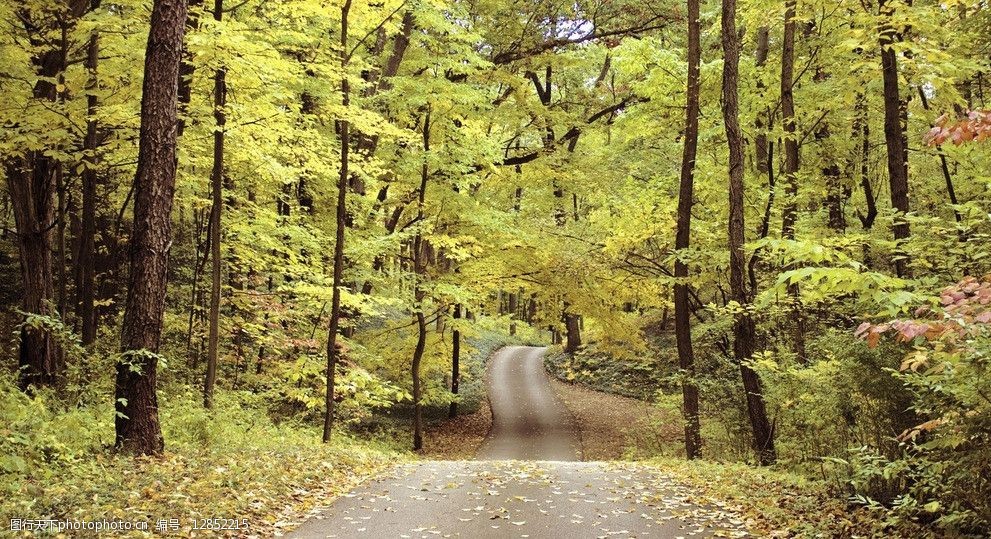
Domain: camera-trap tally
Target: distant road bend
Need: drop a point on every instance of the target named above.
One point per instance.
(527, 483)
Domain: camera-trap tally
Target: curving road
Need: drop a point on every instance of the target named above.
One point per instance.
(529, 422)
(525, 484)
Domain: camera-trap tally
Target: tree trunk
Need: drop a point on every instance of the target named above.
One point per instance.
(136, 399)
(895, 136)
(944, 167)
(31, 182)
(862, 129)
(682, 314)
(455, 362)
(790, 208)
(573, 334)
(419, 295)
(342, 191)
(216, 184)
(743, 326)
(87, 245)
(762, 156)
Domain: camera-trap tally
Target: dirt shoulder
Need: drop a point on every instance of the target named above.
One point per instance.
(458, 438)
(614, 427)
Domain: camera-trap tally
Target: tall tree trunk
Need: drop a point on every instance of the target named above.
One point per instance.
(743, 326)
(790, 210)
(87, 245)
(216, 184)
(31, 183)
(188, 67)
(862, 129)
(342, 190)
(895, 136)
(135, 395)
(682, 313)
(455, 363)
(419, 294)
(762, 155)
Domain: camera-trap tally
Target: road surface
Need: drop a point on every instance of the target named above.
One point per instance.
(528, 482)
(529, 422)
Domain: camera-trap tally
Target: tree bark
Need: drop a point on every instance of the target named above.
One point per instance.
(87, 245)
(419, 294)
(762, 156)
(136, 399)
(572, 328)
(31, 182)
(216, 184)
(743, 326)
(682, 313)
(790, 208)
(895, 136)
(455, 363)
(862, 129)
(342, 191)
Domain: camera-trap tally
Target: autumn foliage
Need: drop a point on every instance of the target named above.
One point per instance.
(976, 125)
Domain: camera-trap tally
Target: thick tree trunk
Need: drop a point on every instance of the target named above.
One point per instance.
(455, 362)
(682, 313)
(135, 395)
(743, 326)
(31, 183)
(572, 328)
(342, 190)
(216, 184)
(895, 136)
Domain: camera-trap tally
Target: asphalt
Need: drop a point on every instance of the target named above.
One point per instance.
(529, 422)
(527, 482)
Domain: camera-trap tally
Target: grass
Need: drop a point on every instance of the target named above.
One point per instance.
(232, 462)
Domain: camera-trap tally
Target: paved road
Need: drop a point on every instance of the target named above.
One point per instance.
(529, 422)
(541, 494)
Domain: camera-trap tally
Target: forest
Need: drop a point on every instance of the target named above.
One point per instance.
(255, 252)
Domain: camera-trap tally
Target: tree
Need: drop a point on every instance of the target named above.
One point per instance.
(136, 398)
(790, 211)
(419, 293)
(455, 362)
(344, 127)
(87, 241)
(216, 189)
(895, 137)
(682, 313)
(32, 183)
(743, 325)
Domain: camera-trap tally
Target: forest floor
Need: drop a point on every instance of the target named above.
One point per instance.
(459, 438)
(613, 426)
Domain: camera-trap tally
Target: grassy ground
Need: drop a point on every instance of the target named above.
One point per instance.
(231, 463)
